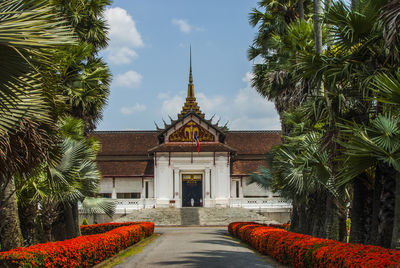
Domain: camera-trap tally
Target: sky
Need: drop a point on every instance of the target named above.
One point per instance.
(148, 55)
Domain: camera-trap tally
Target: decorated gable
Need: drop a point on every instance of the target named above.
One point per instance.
(187, 132)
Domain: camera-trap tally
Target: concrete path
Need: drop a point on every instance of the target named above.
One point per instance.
(195, 247)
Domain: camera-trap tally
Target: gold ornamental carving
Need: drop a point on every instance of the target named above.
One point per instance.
(192, 178)
(186, 133)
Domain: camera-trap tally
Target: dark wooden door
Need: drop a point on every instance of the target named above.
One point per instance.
(192, 190)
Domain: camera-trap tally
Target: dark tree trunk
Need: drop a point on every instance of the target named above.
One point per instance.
(49, 213)
(376, 204)
(396, 220)
(28, 212)
(368, 213)
(318, 215)
(294, 218)
(67, 224)
(301, 10)
(331, 219)
(10, 232)
(357, 231)
(304, 221)
(342, 228)
(386, 213)
(354, 4)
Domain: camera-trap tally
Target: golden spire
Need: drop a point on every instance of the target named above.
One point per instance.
(190, 104)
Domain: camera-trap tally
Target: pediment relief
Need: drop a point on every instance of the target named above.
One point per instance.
(187, 131)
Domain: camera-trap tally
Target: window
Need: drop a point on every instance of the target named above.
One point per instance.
(237, 189)
(147, 190)
(105, 195)
(128, 195)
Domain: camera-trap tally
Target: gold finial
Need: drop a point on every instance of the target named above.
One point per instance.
(190, 74)
(190, 85)
(190, 104)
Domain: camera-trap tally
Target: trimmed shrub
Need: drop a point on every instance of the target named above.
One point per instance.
(300, 250)
(85, 222)
(82, 251)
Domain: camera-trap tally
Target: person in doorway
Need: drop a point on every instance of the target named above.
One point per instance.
(192, 201)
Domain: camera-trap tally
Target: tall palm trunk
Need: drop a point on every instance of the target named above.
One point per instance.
(301, 10)
(357, 231)
(304, 221)
(386, 213)
(376, 204)
(294, 217)
(318, 26)
(67, 224)
(10, 232)
(396, 220)
(318, 215)
(354, 4)
(331, 224)
(28, 212)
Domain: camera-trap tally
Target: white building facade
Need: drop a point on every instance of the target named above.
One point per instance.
(168, 168)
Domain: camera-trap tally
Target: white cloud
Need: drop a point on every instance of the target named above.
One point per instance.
(245, 110)
(172, 105)
(124, 36)
(183, 25)
(124, 55)
(129, 79)
(132, 109)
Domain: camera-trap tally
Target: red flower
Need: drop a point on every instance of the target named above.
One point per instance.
(83, 251)
(299, 250)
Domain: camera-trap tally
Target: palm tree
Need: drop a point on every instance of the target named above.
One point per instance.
(84, 76)
(85, 84)
(86, 18)
(27, 29)
(60, 184)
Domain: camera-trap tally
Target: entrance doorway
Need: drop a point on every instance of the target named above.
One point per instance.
(192, 190)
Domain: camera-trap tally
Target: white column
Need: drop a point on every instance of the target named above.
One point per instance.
(207, 183)
(241, 187)
(114, 192)
(143, 193)
(177, 184)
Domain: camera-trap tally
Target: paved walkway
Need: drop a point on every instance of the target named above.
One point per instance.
(195, 247)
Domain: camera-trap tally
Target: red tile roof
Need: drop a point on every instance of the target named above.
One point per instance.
(252, 142)
(126, 168)
(126, 142)
(249, 144)
(244, 167)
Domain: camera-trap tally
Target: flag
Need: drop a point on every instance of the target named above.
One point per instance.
(197, 142)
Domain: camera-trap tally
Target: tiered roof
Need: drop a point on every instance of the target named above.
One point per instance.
(130, 153)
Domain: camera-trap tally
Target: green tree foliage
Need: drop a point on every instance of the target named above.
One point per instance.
(340, 115)
(50, 50)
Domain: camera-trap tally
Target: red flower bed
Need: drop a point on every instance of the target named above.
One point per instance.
(299, 250)
(83, 251)
(105, 227)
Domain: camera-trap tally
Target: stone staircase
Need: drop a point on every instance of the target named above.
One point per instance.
(195, 216)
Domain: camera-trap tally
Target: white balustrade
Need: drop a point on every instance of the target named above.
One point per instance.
(259, 203)
(124, 206)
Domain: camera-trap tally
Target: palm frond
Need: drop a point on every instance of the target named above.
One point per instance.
(92, 205)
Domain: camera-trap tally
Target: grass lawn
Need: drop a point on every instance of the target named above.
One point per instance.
(132, 250)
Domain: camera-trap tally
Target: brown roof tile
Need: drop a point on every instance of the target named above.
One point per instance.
(189, 147)
(253, 142)
(244, 167)
(126, 142)
(126, 168)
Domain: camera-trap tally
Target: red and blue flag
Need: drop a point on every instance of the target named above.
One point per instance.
(197, 142)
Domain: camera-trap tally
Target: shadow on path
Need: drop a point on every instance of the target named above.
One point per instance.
(220, 258)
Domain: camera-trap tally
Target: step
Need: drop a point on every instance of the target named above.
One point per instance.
(195, 216)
